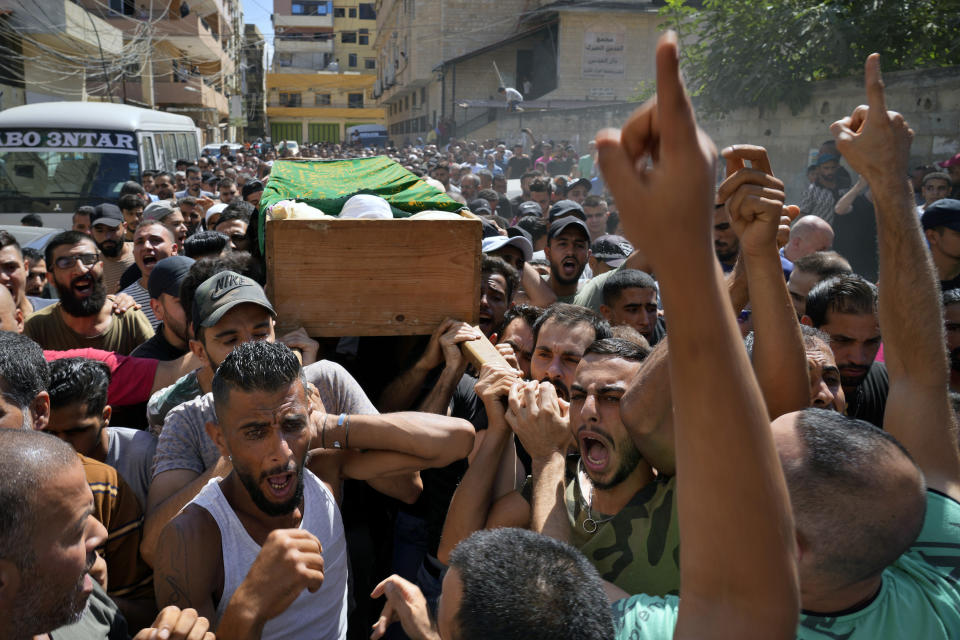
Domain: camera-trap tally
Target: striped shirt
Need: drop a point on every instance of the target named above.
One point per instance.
(142, 298)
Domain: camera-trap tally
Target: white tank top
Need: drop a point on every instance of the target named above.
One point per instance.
(312, 615)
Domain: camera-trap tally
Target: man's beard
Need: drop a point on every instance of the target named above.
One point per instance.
(562, 391)
(110, 248)
(629, 459)
(83, 307)
(252, 486)
(728, 254)
(848, 382)
(556, 275)
(36, 611)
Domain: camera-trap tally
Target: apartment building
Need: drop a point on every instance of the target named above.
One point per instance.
(442, 61)
(253, 83)
(323, 71)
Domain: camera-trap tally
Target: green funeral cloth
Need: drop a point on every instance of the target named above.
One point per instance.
(328, 184)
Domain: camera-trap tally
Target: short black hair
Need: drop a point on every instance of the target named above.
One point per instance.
(541, 184)
(28, 459)
(568, 315)
(838, 486)
(31, 254)
(528, 312)
(620, 348)
(24, 372)
(32, 220)
(625, 279)
(132, 187)
(79, 381)
(85, 210)
(534, 225)
(255, 366)
(7, 239)
(205, 243)
(847, 293)
(521, 585)
(129, 201)
(494, 264)
(64, 238)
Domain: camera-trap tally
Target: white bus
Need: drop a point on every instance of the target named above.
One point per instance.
(57, 156)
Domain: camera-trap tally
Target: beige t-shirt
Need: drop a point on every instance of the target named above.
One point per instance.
(125, 333)
(113, 269)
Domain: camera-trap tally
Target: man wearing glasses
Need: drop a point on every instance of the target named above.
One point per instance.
(84, 316)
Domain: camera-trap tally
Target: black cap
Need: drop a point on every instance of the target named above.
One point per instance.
(517, 232)
(167, 276)
(529, 208)
(223, 291)
(108, 214)
(480, 207)
(612, 249)
(557, 226)
(942, 213)
(251, 187)
(564, 208)
(489, 229)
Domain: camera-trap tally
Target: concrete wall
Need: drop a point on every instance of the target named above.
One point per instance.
(929, 100)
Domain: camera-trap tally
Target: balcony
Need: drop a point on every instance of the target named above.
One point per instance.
(302, 45)
(190, 94)
(313, 22)
(63, 25)
(192, 37)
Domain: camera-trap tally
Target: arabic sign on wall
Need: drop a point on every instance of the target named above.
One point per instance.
(603, 54)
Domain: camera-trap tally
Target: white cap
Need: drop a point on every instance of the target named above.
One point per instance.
(364, 205)
(214, 210)
(495, 243)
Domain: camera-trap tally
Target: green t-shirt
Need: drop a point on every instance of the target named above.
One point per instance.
(919, 598)
(638, 549)
(161, 402)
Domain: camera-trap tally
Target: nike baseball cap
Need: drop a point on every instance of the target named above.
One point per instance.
(222, 292)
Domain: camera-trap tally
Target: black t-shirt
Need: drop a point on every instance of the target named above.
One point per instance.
(856, 238)
(439, 484)
(869, 400)
(158, 348)
(128, 277)
(517, 166)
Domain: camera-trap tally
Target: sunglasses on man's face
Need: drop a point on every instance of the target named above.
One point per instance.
(67, 262)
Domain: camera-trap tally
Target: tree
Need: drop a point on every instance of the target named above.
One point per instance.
(750, 53)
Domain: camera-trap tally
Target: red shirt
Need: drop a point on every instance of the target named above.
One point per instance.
(131, 379)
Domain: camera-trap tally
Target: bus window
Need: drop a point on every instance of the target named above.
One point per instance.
(183, 147)
(146, 146)
(169, 151)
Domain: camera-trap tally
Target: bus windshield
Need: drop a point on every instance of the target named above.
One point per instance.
(42, 178)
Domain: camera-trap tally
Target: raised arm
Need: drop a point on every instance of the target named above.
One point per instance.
(720, 418)
(876, 143)
(779, 359)
(536, 287)
(472, 500)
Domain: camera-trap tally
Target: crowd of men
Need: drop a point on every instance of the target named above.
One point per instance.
(704, 422)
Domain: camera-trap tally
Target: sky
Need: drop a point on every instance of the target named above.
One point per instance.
(258, 12)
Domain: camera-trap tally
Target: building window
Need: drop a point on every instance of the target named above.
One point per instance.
(367, 12)
(348, 37)
(352, 60)
(289, 99)
(321, 100)
(353, 12)
(423, 95)
(310, 8)
(284, 59)
(369, 63)
(355, 100)
(364, 36)
(339, 12)
(414, 96)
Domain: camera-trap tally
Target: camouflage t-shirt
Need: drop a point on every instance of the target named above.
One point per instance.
(919, 596)
(638, 549)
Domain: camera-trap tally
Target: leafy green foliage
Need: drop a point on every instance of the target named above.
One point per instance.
(754, 53)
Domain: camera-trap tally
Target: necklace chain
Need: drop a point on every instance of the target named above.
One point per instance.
(590, 524)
